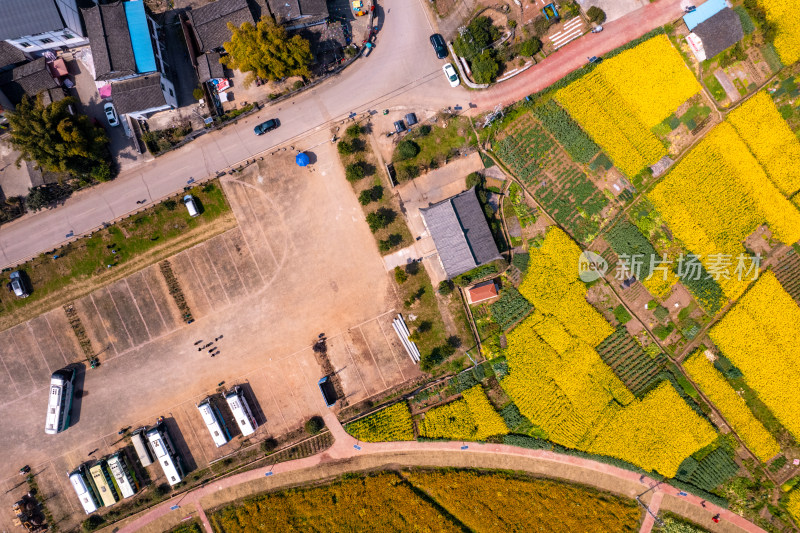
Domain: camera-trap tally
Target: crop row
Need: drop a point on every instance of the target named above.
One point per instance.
(510, 308)
(629, 361)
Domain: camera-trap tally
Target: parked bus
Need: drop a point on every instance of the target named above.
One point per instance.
(103, 483)
(165, 453)
(241, 411)
(142, 447)
(83, 488)
(214, 422)
(126, 483)
(60, 403)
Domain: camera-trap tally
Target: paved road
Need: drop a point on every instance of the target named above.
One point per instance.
(344, 448)
(402, 72)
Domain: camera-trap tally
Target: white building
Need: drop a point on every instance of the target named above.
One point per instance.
(34, 26)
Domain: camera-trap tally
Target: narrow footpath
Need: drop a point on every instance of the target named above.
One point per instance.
(348, 451)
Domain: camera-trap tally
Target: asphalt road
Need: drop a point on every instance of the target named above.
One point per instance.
(402, 71)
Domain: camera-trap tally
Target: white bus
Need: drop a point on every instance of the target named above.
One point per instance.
(60, 403)
(84, 490)
(165, 454)
(119, 469)
(142, 447)
(214, 422)
(103, 483)
(241, 411)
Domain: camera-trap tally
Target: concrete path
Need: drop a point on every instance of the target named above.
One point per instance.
(346, 448)
(649, 516)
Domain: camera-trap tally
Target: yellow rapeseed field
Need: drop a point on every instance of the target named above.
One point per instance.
(388, 424)
(624, 97)
(761, 126)
(793, 504)
(470, 418)
(719, 194)
(560, 383)
(759, 335)
(732, 406)
(785, 15)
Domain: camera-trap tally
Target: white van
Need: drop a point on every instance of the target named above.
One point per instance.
(191, 205)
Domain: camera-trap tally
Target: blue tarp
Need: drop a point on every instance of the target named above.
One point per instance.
(140, 36)
(704, 12)
(302, 159)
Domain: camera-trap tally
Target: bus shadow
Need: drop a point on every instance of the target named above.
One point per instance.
(219, 403)
(142, 477)
(182, 449)
(252, 401)
(78, 392)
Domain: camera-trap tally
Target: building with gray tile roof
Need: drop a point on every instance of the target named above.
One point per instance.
(720, 32)
(208, 67)
(141, 95)
(110, 40)
(303, 11)
(209, 23)
(460, 232)
(29, 79)
(10, 56)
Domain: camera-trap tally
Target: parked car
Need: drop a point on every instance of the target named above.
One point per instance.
(411, 119)
(452, 75)
(594, 59)
(191, 205)
(264, 127)
(439, 46)
(690, 9)
(111, 114)
(399, 126)
(18, 285)
(597, 29)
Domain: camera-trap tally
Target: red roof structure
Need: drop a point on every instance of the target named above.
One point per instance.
(482, 291)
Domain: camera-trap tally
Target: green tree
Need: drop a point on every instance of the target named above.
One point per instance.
(479, 34)
(380, 218)
(407, 150)
(530, 47)
(387, 244)
(446, 287)
(485, 67)
(59, 141)
(266, 51)
(314, 425)
(596, 15)
(354, 171)
(400, 275)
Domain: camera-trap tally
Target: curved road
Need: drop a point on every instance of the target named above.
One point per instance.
(402, 72)
(344, 448)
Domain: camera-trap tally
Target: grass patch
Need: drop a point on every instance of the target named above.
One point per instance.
(129, 245)
(713, 85)
(771, 57)
(373, 190)
(419, 300)
(622, 314)
(437, 145)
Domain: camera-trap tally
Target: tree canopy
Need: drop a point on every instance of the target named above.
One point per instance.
(59, 141)
(479, 34)
(266, 51)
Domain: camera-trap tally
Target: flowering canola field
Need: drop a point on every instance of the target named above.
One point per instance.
(732, 406)
(761, 126)
(620, 100)
(759, 335)
(785, 15)
(717, 195)
(470, 418)
(560, 383)
(391, 423)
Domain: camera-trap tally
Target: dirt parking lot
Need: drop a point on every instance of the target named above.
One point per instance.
(301, 262)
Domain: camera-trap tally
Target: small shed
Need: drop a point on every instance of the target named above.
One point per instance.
(716, 34)
(482, 292)
(704, 11)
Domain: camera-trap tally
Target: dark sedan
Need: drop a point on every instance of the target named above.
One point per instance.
(264, 127)
(439, 45)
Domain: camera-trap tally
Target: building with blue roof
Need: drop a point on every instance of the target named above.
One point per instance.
(128, 52)
(704, 12)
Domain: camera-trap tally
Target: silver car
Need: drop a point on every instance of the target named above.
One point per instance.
(18, 285)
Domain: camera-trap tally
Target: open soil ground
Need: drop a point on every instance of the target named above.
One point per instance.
(301, 262)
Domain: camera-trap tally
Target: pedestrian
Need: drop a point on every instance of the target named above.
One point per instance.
(200, 349)
(715, 518)
(212, 355)
(703, 503)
